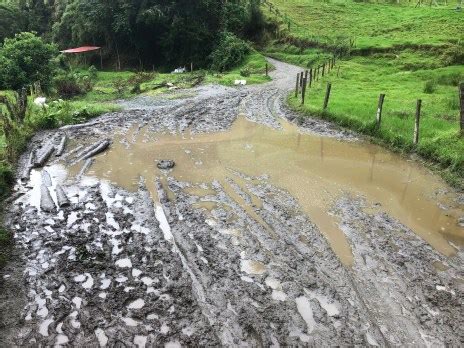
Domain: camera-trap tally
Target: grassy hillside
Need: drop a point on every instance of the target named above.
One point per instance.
(373, 25)
(405, 52)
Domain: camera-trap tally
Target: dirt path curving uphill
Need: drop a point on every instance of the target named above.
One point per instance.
(264, 233)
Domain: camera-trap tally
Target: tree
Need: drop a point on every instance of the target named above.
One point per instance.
(11, 20)
(168, 32)
(25, 60)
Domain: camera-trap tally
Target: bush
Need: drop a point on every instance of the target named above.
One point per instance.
(453, 55)
(229, 53)
(120, 85)
(6, 178)
(430, 87)
(137, 80)
(69, 85)
(25, 60)
(56, 114)
(245, 72)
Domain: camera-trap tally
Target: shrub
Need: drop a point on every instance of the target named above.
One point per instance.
(139, 78)
(230, 52)
(93, 72)
(69, 85)
(120, 86)
(245, 72)
(56, 114)
(453, 55)
(6, 178)
(24, 60)
(430, 87)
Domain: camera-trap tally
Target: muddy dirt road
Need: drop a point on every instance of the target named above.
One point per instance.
(262, 233)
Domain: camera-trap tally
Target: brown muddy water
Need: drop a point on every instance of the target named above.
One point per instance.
(315, 170)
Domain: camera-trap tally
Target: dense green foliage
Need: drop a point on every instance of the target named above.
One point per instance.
(25, 60)
(408, 53)
(138, 33)
(230, 52)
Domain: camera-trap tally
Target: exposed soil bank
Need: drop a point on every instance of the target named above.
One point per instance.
(242, 242)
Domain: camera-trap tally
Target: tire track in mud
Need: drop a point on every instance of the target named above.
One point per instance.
(274, 291)
(245, 266)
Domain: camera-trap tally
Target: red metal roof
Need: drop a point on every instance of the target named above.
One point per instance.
(81, 49)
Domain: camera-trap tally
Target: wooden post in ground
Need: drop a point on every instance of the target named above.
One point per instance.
(303, 90)
(306, 76)
(327, 95)
(323, 70)
(379, 110)
(310, 77)
(297, 84)
(191, 67)
(416, 124)
(267, 70)
(301, 79)
(461, 104)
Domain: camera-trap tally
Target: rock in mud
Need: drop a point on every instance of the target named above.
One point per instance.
(166, 164)
(46, 200)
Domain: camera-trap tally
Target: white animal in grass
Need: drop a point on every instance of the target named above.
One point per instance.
(40, 101)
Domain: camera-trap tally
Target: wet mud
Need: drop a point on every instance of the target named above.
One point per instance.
(259, 232)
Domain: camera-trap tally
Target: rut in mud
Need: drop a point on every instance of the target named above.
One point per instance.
(263, 233)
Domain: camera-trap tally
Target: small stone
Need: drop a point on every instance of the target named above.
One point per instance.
(165, 164)
(461, 221)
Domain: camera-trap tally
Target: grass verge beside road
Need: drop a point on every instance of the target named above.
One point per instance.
(404, 52)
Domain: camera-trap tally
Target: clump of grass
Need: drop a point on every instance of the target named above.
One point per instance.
(430, 87)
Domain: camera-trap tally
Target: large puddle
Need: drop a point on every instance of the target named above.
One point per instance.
(313, 169)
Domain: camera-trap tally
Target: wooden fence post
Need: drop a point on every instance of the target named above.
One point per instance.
(379, 109)
(297, 84)
(267, 70)
(303, 91)
(416, 124)
(327, 95)
(306, 76)
(461, 104)
(191, 67)
(323, 70)
(310, 77)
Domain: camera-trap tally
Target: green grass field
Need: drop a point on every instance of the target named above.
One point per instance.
(405, 52)
(373, 25)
